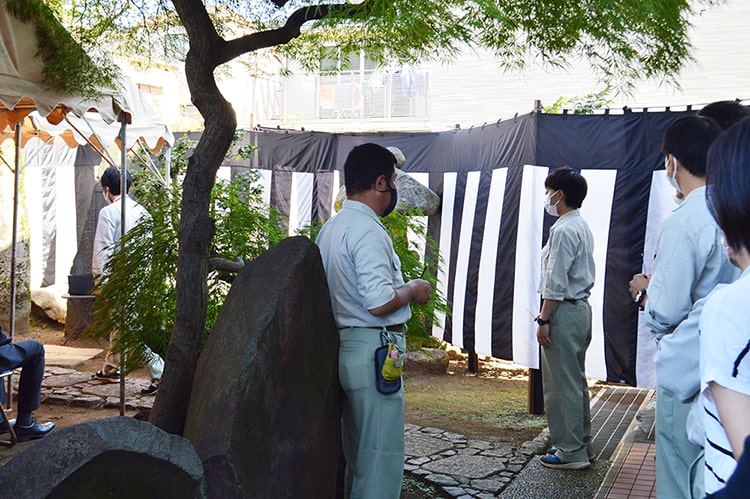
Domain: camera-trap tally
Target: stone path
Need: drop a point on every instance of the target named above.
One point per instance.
(462, 467)
(65, 386)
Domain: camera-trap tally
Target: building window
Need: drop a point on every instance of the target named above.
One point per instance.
(364, 90)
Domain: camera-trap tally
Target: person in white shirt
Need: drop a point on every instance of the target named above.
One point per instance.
(108, 233)
(724, 324)
(690, 262)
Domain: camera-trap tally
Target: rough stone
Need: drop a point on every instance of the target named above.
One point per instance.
(467, 466)
(116, 457)
(441, 479)
(455, 491)
(106, 390)
(89, 402)
(426, 361)
(65, 380)
(488, 485)
(425, 445)
(265, 409)
(49, 303)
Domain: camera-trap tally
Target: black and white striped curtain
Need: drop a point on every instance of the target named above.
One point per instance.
(492, 225)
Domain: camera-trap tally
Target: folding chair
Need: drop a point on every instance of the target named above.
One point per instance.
(4, 421)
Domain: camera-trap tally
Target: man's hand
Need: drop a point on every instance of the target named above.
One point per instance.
(637, 283)
(421, 290)
(543, 337)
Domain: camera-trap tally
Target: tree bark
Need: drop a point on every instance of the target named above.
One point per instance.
(196, 227)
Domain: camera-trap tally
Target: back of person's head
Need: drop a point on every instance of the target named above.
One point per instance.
(571, 182)
(111, 179)
(728, 184)
(364, 164)
(725, 112)
(688, 139)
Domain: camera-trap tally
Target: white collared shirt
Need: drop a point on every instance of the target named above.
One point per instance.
(108, 229)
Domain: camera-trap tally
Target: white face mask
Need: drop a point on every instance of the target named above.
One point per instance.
(106, 198)
(672, 178)
(549, 207)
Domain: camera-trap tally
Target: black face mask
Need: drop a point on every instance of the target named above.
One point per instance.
(394, 201)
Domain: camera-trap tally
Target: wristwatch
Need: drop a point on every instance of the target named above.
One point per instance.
(639, 297)
(541, 321)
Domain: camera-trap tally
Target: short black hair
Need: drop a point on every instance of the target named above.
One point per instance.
(111, 179)
(728, 184)
(688, 139)
(725, 112)
(571, 182)
(364, 164)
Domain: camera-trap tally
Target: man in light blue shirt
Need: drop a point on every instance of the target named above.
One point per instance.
(369, 297)
(564, 322)
(690, 262)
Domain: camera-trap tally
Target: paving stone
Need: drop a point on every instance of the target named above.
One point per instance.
(455, 491)
(441, 479)
(424, 445)
(518, 460)
(488, 485)
(479, 444)
(88, 401)
(467, 466)
(468, 451)
(419, 460)
(65, 380)
(410, 467)
(433, 431)
(58, 399)
(515, 468)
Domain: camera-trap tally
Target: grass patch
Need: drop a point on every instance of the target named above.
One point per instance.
(485, 408)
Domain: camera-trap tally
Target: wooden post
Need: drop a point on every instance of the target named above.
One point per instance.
(473, 362)
(536, 392)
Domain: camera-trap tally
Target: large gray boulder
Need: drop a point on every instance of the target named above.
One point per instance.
(265, 409)
(116, 457)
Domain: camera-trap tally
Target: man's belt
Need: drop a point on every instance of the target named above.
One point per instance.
(396, 328)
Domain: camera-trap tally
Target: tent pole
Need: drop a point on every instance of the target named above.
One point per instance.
(13, 245)
(123, 196)
(168, 167)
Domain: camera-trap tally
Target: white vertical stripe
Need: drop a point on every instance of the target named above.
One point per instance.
(265, 181)
(335, 190)
(446, 237)
(300, 201)
(487, 262)
(597, 211)
(67, 231)
(462, 259)
(528, 266)
(660, 206)
(418, 243)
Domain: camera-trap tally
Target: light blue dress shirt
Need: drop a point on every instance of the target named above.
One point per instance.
(568, 260)
(690, 262)
(362, 268)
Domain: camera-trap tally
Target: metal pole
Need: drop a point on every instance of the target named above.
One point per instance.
(168, 167)
(13, 245)
(123, 196)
